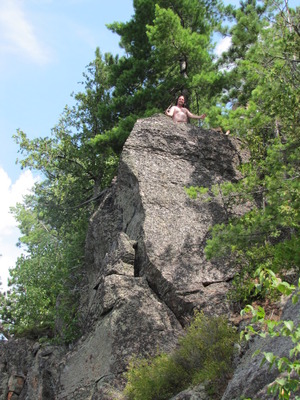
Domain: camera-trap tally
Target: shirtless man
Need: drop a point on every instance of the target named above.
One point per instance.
(181, 114)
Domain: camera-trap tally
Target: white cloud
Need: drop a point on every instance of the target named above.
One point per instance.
(9, 233)
(18, 35)
(223, 45)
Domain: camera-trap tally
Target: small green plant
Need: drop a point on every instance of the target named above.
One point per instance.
(289, 367)
(157, 378)
(204, 354)
(193, 191)
(206, 350)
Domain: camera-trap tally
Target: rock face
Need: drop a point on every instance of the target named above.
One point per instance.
(149, 205)
(251, 380)
(28, 370)
(145, 265)
(146, 270)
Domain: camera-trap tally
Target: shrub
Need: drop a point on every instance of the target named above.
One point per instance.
(157, 378)
(204, 354)
(206, 350)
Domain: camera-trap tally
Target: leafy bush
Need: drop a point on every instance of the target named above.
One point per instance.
(204, 354)
(154, 378)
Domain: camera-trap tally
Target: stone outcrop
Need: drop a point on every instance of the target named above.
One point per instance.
(28, 370)
(145, 265)
(146, 270)
(169, 230)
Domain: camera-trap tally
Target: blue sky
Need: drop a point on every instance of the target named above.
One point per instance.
(45, 46)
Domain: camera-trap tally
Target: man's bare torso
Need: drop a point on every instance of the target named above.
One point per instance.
(179, 114)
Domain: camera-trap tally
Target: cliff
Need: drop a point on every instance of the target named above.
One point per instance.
(145, 269)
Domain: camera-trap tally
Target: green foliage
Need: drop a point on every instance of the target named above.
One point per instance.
(203, 355)
(193, 191)
(175, 40)
(157, 378)
(288, 382)
(267, 236)
(168, 50)
(263, 88)
(47, 271)
(205, 352)
(75, 167)
(265, 96)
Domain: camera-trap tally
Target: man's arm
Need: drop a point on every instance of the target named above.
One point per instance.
(193, 116)
(170, 111)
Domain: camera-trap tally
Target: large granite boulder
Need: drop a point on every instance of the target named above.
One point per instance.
(145, 265)
(146, 268)
(169, 230)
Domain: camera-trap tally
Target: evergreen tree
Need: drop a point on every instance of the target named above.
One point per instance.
(53, 220)
(168, 51)
(267, 237)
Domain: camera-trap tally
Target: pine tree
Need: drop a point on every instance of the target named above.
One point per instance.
(267, 237)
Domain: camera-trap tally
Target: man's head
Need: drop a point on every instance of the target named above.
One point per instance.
(180, 101)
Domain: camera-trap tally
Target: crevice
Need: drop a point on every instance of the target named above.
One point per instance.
(155, 290)
(136, 268)
(188, 292)
(128, 223)
(105, 377)
(106, 312)
(170, 298)
(208, 283)
(96, 287)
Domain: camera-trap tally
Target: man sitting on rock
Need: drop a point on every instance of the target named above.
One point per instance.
(181, 114)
